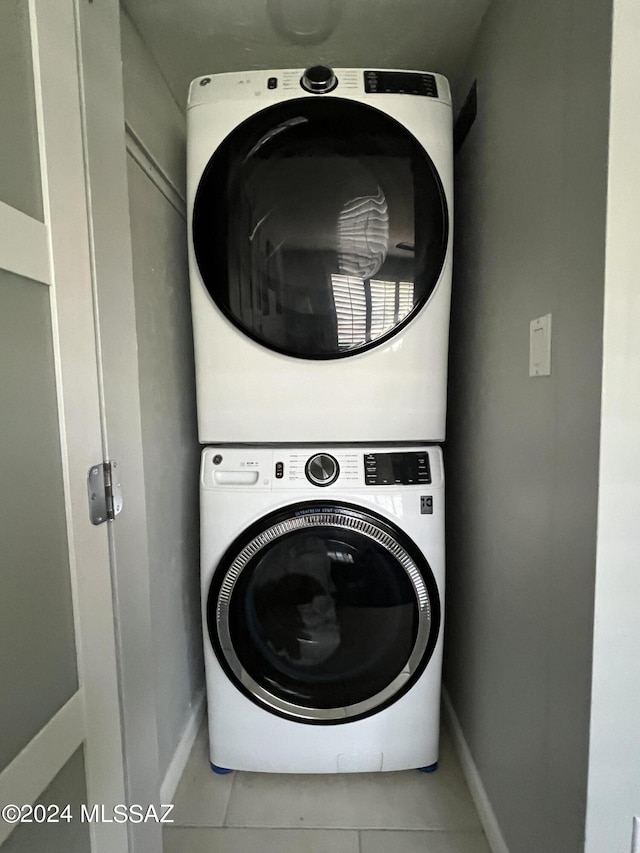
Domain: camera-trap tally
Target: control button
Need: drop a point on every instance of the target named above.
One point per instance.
(370, 469)
(319, 79)
(424, 469)
(322, 469)
(279, 470)
(272, 83)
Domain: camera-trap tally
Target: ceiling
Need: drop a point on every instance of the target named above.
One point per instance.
(189, 38)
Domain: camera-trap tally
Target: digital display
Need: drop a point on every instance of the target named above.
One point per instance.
(400, 83)
(389, 469)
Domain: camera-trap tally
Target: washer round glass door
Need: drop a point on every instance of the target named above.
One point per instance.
(323, 613)
(320, 227)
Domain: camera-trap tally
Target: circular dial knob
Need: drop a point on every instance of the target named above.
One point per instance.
(319, 79)
(322, 469)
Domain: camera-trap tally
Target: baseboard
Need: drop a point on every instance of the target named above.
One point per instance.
(479, 795)
(181, 755)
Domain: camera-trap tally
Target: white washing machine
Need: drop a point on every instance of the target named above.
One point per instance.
(320, 242)
(322, 593)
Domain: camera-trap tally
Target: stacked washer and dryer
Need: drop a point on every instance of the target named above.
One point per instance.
(320, 264)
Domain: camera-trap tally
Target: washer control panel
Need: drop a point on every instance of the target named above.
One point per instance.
(304, 468)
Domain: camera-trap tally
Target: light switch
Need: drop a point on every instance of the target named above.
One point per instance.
(540, 346)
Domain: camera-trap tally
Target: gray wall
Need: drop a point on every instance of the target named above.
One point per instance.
(167, 389)
(522, 453)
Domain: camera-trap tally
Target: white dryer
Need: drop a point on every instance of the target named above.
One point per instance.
(320, 241)
(322, 600)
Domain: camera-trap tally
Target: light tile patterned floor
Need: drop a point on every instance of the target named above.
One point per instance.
(402, 812)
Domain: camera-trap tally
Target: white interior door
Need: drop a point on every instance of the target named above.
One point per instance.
(59, 714)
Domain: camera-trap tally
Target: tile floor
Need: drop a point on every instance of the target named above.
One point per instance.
(402, 812)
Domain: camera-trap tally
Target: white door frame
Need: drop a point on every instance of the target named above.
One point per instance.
(56, 253)
(613, 789)
(100, 63)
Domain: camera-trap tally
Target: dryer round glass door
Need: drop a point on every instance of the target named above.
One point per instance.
(320, 227)
(323, 613)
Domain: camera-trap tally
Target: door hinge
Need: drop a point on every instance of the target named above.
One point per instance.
(105, 493)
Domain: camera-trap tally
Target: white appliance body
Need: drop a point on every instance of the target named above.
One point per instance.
(377, 372)
(250, 728)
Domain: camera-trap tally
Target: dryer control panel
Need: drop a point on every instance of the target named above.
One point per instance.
(311, 468)
(273, 86)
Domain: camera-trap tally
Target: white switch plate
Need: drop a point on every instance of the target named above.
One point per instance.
(635, 839)
(540, 346)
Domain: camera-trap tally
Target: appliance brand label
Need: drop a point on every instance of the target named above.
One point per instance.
(315, 510)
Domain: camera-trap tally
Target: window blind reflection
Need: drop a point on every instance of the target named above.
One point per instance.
(351, 309)
(363, 235)
(366, 310)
